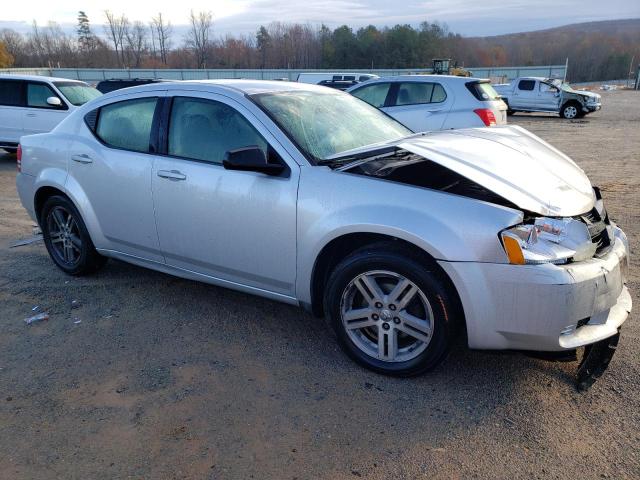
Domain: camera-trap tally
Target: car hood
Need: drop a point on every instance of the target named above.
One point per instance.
(512, 163)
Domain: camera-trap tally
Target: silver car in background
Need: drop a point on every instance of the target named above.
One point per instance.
(435, 102)
(309, 196)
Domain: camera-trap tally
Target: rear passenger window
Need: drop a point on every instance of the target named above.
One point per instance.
(11, 93)
(127, 124)
(375, 94)
(438, 95)
(526, 84)
(415, 93)
(37, 94)
(205, 130)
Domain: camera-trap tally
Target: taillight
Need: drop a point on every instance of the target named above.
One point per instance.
(19, 158)
(486, 116)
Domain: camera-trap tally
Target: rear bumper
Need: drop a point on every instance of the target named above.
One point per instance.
(25, 185)
(544, 307)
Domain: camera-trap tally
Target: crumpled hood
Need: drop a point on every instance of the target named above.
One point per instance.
(587, 93)
(513, 163)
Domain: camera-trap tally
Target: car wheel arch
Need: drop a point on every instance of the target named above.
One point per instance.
(45, 192)
(42, 194)
(338, 248)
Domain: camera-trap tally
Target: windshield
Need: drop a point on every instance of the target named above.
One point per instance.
(324, 124)
(77, 93)
(562, 85)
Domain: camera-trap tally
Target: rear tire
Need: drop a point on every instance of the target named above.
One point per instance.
(392, 310)
(67, 239)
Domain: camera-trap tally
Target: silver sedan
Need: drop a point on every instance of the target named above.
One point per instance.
(312, 197)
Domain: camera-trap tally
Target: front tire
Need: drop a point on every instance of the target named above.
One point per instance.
(392, 311)
(67, 239)
(570, 110)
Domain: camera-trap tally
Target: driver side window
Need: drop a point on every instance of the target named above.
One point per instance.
(205, 130)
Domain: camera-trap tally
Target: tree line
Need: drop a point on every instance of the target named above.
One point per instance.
(122, 43)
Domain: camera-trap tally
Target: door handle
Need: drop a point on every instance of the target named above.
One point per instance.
(172, 174)
(31, 114)
(82, 158)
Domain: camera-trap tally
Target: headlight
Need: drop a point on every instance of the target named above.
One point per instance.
(548, 240)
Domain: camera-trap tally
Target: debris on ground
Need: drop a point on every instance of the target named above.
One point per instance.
(37, 318)
(27, 241)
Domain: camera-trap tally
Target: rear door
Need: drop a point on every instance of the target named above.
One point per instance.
(524, 95)
(39, 116)
(12, 110)
(111, 162)
(420, 106)
(237, 226)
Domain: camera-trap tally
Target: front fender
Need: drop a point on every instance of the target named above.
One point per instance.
(447, 227)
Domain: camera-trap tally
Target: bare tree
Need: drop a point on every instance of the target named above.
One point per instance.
(115, 29)
(161, 36)
(136, 43)
(197, 38)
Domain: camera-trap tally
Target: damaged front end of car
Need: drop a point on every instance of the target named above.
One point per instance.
(565, 232)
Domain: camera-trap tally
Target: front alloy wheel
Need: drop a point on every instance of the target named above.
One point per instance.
(387, 316)
(392, 309)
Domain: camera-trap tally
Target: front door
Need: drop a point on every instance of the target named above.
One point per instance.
(548, 97)
(238, 226)
(40, 117)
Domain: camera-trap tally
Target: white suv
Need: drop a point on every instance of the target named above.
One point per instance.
(33, 104)
(435, 102)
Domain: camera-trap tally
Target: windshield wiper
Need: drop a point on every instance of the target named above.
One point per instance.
(358, 156)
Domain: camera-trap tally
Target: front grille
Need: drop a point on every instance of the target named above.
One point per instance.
(597, 225)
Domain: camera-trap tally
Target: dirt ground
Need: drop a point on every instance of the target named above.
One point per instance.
(167, 378)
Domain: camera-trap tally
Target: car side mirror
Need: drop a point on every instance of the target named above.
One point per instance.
(250, 159)
(54, 102)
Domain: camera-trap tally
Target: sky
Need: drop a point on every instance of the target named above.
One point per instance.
(467, 17)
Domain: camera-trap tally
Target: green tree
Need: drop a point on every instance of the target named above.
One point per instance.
(85, 36)
(402, 47)
(263, 44)
(345, 46)
(370, 47)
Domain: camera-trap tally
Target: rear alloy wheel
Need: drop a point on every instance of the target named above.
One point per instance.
(391, 310)
(67, 239)
(570, 111)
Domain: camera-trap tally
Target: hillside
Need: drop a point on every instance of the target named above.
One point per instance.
(596, 50)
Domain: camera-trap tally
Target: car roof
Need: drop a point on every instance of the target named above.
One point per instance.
(248, 87)
(41, 78)
(427, 78)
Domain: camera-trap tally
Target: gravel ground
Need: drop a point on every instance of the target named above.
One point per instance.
(141, 375)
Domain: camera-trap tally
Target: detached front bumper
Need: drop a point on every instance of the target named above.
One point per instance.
(544, 307)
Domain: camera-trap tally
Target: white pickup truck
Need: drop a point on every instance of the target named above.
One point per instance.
(538, 94)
